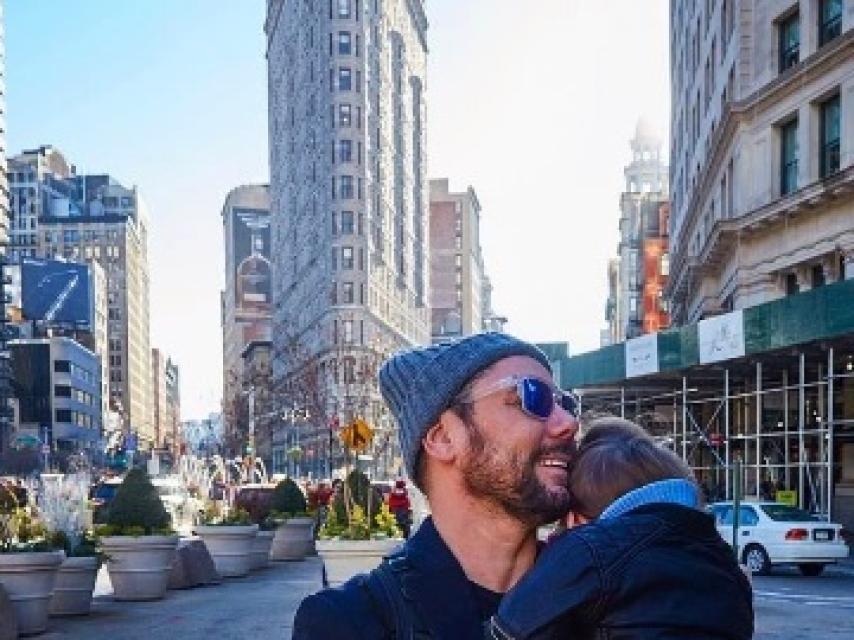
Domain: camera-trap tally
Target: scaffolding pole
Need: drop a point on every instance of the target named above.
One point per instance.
(758, 428)
(685, 419)
(786, 445)
(727, 448)
(801, 425)
(830, 433)
(623, 402)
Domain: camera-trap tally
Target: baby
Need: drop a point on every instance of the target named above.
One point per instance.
(640, 559)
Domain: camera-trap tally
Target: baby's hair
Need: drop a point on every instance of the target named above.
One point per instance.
(614, 457)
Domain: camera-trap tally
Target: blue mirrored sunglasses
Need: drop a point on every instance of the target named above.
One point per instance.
(537, 398)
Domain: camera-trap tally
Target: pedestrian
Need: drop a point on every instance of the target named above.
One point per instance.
(398, 504)
(487, 437)
(640, 559)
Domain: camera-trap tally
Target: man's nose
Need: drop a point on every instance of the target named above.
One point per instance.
(562, 425)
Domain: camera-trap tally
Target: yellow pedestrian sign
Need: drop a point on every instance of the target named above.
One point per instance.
(357, 435)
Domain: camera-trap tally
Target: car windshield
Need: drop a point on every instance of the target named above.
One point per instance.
(785, 513)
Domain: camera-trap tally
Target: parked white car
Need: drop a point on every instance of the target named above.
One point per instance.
(770, 533)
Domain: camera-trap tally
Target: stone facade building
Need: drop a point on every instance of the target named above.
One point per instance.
(762, 151)
(348, 193)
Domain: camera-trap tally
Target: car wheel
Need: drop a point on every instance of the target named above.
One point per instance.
(756, 560)
(811, 570)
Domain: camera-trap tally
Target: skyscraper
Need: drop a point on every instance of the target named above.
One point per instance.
(762, 151)
(5, 369)
(349, 193)
(247, 299)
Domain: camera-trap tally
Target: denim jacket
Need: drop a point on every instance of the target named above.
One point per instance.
(647, 569)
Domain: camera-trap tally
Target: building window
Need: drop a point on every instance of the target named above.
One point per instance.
(829, 161)
(346, 257)
(347, 225)
(345, 151)
(790, 41)
(343, 8)
(347, 293)
(62, 366)
(817, 274)
(62, 391)
(345, 43)
(829, 21)
(792, 286)
(345, 79)
(345, 116)
(789, 157)
(63, 415)
(345, 185)
(665, 264)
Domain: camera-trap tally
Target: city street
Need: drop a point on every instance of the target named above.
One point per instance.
(261, 605)
(787, 605)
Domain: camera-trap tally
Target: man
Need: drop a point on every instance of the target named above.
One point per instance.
(487, 437)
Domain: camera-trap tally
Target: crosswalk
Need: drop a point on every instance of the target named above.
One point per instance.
(811, 599)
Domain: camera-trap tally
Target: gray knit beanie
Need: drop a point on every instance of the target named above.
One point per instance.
(419, 384)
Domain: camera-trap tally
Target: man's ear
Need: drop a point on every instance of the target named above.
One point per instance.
(441, 440)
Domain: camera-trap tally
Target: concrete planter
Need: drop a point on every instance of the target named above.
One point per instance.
(344, 559)
(230, 547)
(139, 567)
(261, 549)
(28, 579)
(72, 592)
(294, 540)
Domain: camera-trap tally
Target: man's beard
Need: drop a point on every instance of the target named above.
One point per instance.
(511, 482)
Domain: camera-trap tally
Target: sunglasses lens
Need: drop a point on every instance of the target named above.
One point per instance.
(570, 404)
(537, 398)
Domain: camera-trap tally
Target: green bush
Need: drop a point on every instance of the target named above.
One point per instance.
(137, 508)
(288, 499)
(359, 486)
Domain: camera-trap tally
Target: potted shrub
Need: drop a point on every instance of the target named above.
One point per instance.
(256, 499)
(28, 563)
(294, 538)
(137, 539)
(359, 531)
(64, 509)
(263, 543)
(230, 539)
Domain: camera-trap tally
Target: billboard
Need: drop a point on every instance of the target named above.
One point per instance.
(57, 293)
(253, 287)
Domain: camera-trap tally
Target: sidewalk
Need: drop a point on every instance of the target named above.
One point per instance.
(260, 605)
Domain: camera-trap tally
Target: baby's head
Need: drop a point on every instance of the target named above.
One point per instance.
(614, 457)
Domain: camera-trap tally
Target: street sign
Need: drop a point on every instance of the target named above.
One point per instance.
(357, 435)
(716, 439)
(45, 449)
(787, 497)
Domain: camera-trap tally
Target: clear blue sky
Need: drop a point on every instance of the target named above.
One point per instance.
(532, 103)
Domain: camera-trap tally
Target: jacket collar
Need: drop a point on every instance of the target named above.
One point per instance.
(438, 587)
(673, 491)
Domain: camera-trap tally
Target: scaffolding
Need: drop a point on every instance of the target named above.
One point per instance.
(789, 418)
(770, 385)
